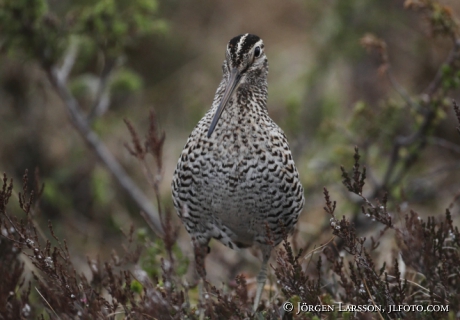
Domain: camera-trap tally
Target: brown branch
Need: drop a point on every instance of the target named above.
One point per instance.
(443, 143)
(373, 43)
(437, 81)
(419, 137)
(102, 152)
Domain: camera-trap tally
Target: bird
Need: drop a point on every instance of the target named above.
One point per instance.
(236, 180)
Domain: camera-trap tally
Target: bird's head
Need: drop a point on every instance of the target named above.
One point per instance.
(245, 62)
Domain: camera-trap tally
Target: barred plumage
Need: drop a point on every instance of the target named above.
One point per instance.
(236, 175)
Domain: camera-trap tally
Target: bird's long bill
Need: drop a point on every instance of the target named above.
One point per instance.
(232, 85)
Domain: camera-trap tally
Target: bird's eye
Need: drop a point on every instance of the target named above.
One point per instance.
(257, 52)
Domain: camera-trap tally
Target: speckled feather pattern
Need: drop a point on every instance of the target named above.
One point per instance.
(241, 179)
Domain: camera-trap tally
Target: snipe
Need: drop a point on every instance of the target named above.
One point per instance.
(236, 180)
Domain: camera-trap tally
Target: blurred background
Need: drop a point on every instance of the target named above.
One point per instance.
(325, 92)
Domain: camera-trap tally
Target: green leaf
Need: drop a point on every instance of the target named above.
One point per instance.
(136, 286)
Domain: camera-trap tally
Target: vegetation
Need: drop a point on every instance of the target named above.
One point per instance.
(383, 241)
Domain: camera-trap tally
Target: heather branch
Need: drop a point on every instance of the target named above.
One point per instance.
(365, 266)
(330, 206)
(457, 113)
(155, 140)
(137, 150)
(24, 203)
(7, 190)
(153, 144)
(355, 185)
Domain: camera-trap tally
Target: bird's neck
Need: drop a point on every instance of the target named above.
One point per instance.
(242, 116)
(251, 96)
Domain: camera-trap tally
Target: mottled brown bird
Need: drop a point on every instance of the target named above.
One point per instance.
(236, 180)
